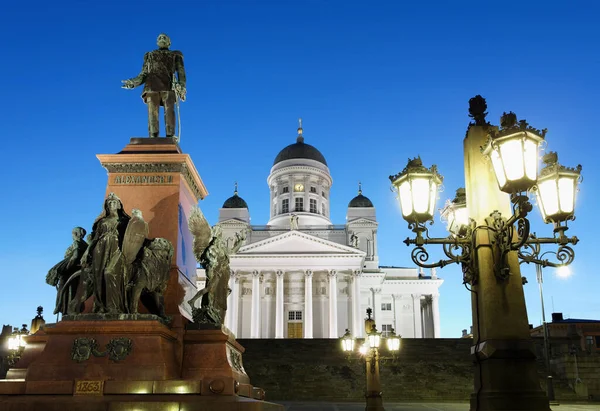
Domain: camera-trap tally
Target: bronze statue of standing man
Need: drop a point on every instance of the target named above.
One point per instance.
(163, 77)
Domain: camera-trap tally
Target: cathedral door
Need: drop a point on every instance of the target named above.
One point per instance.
(295, 330)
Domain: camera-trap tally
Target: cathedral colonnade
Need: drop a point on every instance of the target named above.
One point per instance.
(425, 307)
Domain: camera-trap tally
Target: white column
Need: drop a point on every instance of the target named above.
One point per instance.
(377, 306)
(417, 315)
(255, 321)
(356, 314)
(333, 319)
(395, 303)
(423, 324)
(308, 305)
(374, 251)
(279, 306)
(229, 312)
(235, 303)
(435, 306)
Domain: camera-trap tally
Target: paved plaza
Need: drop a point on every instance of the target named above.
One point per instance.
(406, 406)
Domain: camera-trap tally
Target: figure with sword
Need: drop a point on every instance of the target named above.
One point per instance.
(163, 77)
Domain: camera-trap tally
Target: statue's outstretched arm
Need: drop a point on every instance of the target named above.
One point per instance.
(200, 229)
(140, 78)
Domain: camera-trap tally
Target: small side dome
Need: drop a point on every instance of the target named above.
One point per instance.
(360, 200)
(235, 201)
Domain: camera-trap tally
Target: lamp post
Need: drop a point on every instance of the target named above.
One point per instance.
(549, 381)
(370, 350)
(489, 234)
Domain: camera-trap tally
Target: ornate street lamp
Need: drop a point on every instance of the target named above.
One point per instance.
(488, 239)
(417, 188)
(347, 342)
(556, 189)
(393, 341)
(16, 344)
(456, 214)
(370, 351)
(514, 153)
(374, 338)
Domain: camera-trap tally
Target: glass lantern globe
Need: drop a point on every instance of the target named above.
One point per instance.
(417, 188)
(456, 215)
(393, 341)
(374, 338)
(514, 153)
(556, 189)
(347, 342)
(13, 343)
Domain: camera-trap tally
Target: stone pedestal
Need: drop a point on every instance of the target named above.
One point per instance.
(136, 361)
(87, 364)
(154, 176)
(215, 357)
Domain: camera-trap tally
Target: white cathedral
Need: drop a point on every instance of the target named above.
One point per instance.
(301, 276)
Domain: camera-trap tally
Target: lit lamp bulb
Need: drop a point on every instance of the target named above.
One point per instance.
(393, 341)
(456, 214)
(514, 153)
(374, 338)
(363, 349)
(13, 343)
(347, 342)
(417, 188)
(556, 189)
(563, 271)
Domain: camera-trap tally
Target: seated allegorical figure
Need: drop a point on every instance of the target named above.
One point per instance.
(59, 274)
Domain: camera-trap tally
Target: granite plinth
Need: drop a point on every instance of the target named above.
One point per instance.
(155, 177)
(152, 355)
(116, 317)
(159, 145)
(138, 402)
(212, 353)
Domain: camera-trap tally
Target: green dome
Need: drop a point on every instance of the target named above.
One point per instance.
(235, 201)
(360, 201)
(300, 150)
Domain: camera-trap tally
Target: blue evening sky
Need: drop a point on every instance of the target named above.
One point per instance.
(375, 83)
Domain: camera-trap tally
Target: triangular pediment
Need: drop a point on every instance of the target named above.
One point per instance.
(233, 222)
(296, 242)
(363, 221)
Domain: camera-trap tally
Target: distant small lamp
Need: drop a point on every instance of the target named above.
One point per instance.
(363, 349)
(456, 215)
(417, 189)
(393, 341)
(556, 189)
(374, 338)
(347, 342)
(16, 345)
(13, 340)
(514, 153)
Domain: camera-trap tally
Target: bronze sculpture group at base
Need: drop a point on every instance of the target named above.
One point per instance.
(212, 253)
(119, 267)
(108, 349)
